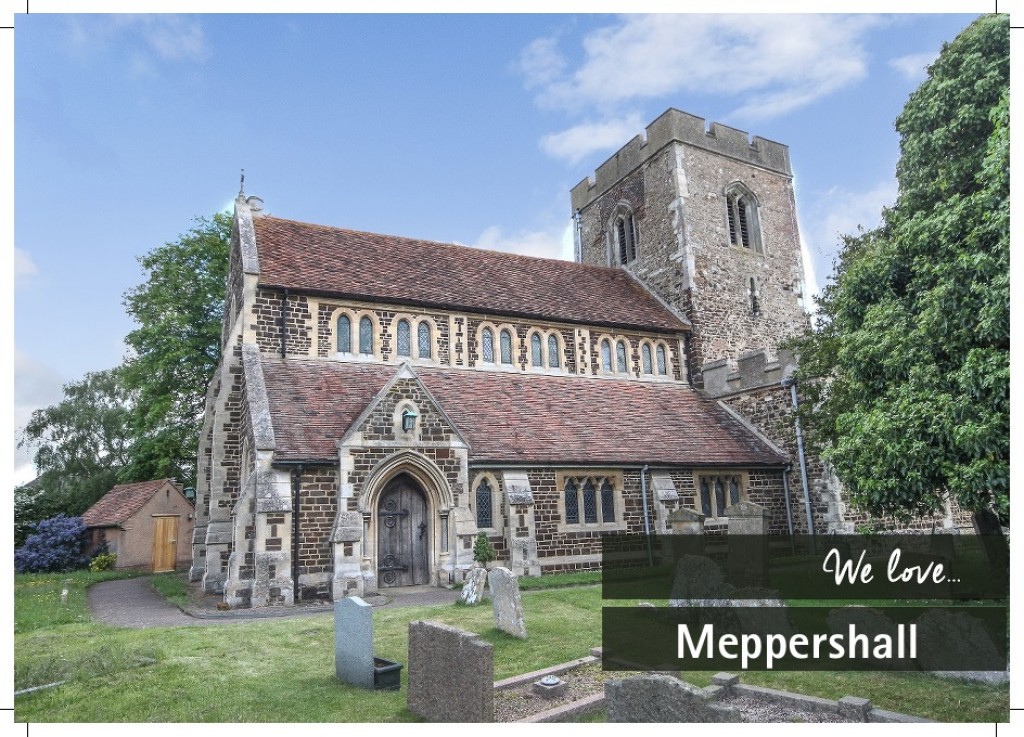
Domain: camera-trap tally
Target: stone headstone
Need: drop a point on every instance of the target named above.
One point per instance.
(507, 603)
(451, 674)
(473, 588)
(353, 641)
(685, 521)
(661, 698)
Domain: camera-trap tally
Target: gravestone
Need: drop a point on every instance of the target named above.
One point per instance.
(661, 698)
(353, 641)
(507, 603)
(748, 544)
(473, 588)
(451, 674)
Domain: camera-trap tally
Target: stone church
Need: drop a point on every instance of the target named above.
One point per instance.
(382, 399)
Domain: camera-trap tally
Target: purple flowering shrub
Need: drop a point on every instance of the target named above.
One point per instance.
(58, 544)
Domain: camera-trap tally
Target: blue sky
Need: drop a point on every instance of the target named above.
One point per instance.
(454, 128)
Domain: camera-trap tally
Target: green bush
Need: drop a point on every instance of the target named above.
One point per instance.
(483, 551)
(103, 562)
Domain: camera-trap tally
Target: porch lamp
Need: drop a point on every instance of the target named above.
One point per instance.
(409, 420)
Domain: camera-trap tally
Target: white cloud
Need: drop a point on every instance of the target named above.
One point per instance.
(555, 242)
(914, 66)
(576, 143)
(777, 63)
(23, 263)
(35, 386)
(142, 39)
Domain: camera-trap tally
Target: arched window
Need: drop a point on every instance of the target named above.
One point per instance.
(484, 506)
(366, 336)
(487, 348)
(404, 338)
(620, 357)
(423, 340)
(506, 347)
(553, 361)
(572, 503)
(607, 502)
(624, 237)
(645, 354)
(662, 362)
(536, 351)
(741, 211)
(589, 501)
(606, 356)
(344, 334)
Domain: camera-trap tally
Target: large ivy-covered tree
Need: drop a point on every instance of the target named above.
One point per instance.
(176, 347)
(909, 367)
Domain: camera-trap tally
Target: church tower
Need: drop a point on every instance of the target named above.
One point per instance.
(706, 219)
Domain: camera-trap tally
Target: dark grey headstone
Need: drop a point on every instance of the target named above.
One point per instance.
(661, 698)
(451, 674)
(353, 641)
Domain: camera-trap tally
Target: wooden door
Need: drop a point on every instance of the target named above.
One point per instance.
(403, 535)
(165, 543)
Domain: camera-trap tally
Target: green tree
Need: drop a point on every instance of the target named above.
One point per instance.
(176, 346)
(911, 354)
(483, 551)
(82, 448)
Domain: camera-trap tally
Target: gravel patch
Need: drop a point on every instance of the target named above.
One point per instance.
(513, 704)
(762, 710)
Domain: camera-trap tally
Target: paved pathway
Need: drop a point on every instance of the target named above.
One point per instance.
(132, 602)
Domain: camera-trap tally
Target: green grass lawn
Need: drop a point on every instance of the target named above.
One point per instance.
(283, 669)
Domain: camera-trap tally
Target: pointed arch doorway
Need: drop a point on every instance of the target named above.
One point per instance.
(403, 534)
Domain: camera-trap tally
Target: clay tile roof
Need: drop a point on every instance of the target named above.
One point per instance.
(121, 502)
(386, 268)
(510, 417)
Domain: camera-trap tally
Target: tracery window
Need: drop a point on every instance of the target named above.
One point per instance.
(484, 504)
(423, 340)
(553, 360)
(620, 357)
(741, 212)
(662, 362)
(487, 349)
(719, 491)
(506, 347)
(572, 502)
(645, 355)
(536, 351)
(366, 336)
(404, 339)
(606, 356)
(589, 502)
(589, 499)
(624, 234)
(607, 502)
(344, 334)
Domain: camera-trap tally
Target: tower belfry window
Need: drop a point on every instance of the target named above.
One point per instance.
(741, 212)
(623, 236)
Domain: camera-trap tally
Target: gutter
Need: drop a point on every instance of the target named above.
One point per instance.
(791, 383)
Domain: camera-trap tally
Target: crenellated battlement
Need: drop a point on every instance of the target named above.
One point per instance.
(753, 370)
(675, 125)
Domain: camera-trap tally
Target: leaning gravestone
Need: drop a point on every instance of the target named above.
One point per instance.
(451, 674)
(473, 588)
(507, 603)
(661, 698)
(353, 641)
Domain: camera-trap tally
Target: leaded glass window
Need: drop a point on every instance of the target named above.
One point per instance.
(484, 509)
(487, 349)
(607, 502)
(589, 501)
(423, 340)
(366, 336)
(719, 495)
(662, 363)
(506, 347)
(705, 498)
(344, 334)
(620, 357)
(734, 490)
(404, 338)
(606, 356)
(572, 503)
(536, 351)
(645, 353)
(553, 351)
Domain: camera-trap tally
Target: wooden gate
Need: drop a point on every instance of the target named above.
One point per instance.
(165, 543)
(403, 535)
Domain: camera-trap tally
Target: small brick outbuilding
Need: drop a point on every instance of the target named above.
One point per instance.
(147, 524)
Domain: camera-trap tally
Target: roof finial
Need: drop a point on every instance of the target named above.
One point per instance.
(241, 185)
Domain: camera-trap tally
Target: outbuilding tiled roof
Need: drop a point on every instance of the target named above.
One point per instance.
(121, 502)
(385, 268)
(514, 417)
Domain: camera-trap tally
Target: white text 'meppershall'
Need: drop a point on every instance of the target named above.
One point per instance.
(749, 648)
